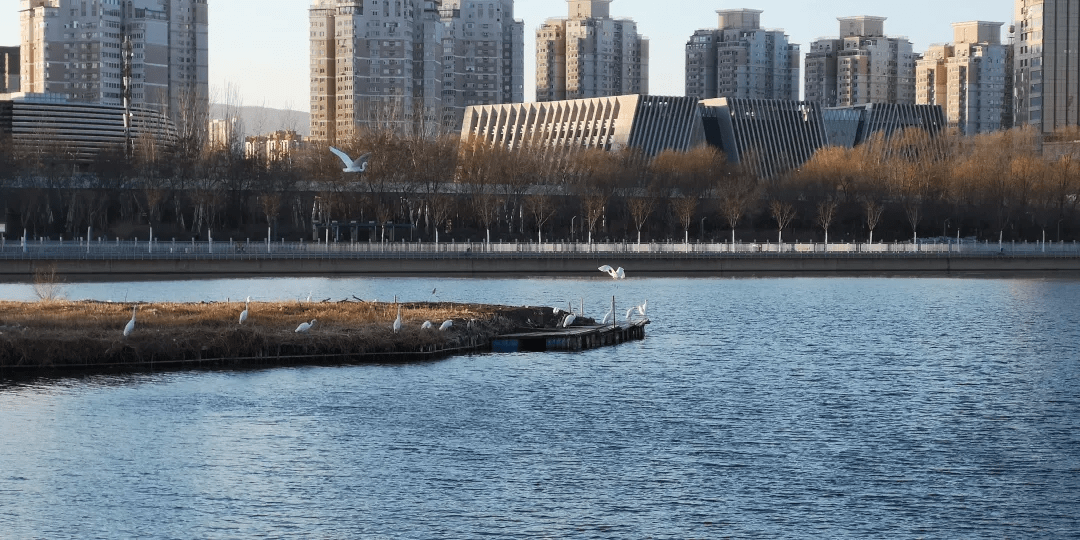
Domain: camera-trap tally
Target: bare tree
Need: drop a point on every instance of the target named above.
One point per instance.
(783, 212)
(826, 212)
(872, 210)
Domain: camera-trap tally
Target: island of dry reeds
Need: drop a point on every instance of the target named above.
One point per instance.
(89, 334)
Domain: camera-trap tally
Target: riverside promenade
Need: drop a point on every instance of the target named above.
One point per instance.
(103, 260)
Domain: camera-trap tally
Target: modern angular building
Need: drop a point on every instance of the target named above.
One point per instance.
(374, 64)
(80, 131)
(739, 59)
(651, 123)
(483, 57)
(150, 53)
(9, 70)
(775, 135)
(1046, 74)
(968, 78)
(860, 66)
(589, 54)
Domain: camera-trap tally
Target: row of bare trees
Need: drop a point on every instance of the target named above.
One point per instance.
(897, 188)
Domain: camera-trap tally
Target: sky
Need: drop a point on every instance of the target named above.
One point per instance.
(260, 47)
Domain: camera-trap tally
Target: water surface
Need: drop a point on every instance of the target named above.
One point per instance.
(840, 408)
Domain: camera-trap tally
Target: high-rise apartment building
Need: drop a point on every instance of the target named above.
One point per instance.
(1046, 72)
(967, 78)
(483, 57)
(861, 66)
(374, 63)
(9, 70)
(589, 54)
(739, 59)
(143, 52)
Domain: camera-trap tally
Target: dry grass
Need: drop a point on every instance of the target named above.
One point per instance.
(63, 333)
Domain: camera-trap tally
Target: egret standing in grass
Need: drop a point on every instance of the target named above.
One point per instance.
(304, 327)
(446, 325)
(130, 327)
(397, 321)
(426, 326)
(244, 314)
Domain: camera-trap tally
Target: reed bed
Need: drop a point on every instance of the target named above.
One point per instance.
(55, 334)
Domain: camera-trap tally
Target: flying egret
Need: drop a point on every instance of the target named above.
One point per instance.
(352, 165)
(614, 273)
(446, 325)
(397, 321)
(569, 320)
(304, 327)
(130, 327)
(426, 326)
(244, 314)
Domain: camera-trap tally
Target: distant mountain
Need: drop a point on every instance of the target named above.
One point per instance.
(260, 120)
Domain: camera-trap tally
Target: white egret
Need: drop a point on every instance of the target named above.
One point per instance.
(352, 165)
(569, 320)
(614, 273)
(630, 312)
(426, 326)
(244, 314)
(641, 309)
(304, 327)
(446, 325)
(607, 316)
(130, 327)
(397, 321)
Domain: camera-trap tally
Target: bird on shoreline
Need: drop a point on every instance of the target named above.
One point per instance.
(244, 314)
(304, 327)
(130, 327)
(446, 325)
(397, 321)
(614, 273)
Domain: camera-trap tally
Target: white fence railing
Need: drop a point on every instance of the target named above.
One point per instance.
(120, 250)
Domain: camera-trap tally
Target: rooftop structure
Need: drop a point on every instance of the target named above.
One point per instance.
(739, 59)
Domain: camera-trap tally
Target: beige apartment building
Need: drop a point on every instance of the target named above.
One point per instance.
(374, 63)
(1046, 69)
(9, 70)
(967, 78)
(739, 59)
(589, 54)
(483, 57)
(410, 65)
(151, 53)
(860, 66)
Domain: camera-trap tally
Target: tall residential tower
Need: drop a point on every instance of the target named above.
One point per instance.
(861, 66)
(483, 57)
(374, 63)
(1047, 64)
(741, 60)
(142, 52)
(589, 54)
(967, 78)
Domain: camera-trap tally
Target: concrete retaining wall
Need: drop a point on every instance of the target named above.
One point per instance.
(23, 270)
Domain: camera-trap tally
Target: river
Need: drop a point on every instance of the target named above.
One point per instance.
(755, 408)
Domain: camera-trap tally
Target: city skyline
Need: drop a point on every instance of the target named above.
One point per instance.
(262, 54)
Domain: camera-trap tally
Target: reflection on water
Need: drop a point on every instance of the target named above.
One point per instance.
(755, 408)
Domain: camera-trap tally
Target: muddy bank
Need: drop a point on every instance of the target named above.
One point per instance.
(45, 336)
